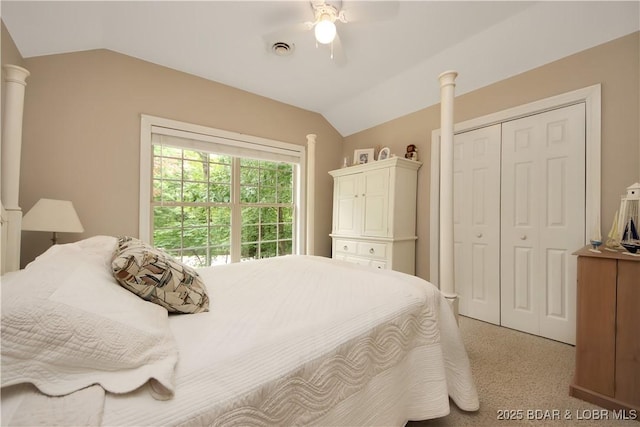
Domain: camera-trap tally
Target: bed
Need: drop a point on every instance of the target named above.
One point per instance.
(294, 340)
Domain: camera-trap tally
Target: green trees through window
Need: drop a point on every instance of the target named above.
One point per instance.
(213, 209)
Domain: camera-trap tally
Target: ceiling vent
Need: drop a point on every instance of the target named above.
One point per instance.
(282, 48)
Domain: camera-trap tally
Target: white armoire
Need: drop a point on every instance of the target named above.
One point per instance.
(374, 214)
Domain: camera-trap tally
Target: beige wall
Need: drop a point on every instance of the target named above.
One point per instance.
(615, 65)
(82, 130)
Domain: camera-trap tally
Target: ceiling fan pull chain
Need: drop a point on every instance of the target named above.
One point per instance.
(332, 50)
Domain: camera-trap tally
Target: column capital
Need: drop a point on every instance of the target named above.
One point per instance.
(15, 74)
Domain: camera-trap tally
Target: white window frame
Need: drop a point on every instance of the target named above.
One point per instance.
(203, 134)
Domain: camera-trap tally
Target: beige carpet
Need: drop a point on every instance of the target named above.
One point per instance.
(521, 372)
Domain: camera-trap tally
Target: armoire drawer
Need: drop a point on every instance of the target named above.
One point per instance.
(372, 250)
(346, 246)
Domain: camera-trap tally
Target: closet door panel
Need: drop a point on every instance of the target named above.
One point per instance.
(543, 209)
(563, 228)
(477, 222)
(519, 272)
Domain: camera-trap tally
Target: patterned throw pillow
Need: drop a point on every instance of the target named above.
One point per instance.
(155, 276)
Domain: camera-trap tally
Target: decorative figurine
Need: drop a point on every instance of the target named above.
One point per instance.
(412, 152)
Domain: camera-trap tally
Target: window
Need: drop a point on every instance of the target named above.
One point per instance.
(210, 200)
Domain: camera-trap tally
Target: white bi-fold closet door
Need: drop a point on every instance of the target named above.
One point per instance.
(519, 213)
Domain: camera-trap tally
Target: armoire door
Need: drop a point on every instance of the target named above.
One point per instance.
(476, 222)
(543, 220)
(347, 212)
(375, 202)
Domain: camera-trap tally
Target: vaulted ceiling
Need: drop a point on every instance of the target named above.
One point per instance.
(391, 52)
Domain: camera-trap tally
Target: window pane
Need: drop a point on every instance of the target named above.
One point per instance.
(285, 247)
(195, 171)
(195, 192)
(219, 158)
(267, 194)
(194, 237)
(269, 215)
(248, 251)
(169, 191)
(268, 175)
(157, 190)
(285, 231)
(219, 173)
(285, 215)
(167, 217)
(170, 168)
(268, 250)
(269, 232)
(194, 215)
(194, 155)
(171, 151)
(285, 172)
(249, 163)
(167, 238)
(220, 193)
(220, 235)
(250, 233)
(249, 176)
(248, 194)
(220, 216)
(285, 193)
(220, 255)
(195, 257)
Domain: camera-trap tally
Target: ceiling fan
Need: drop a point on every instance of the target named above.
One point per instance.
(324, 24)
(326, 14)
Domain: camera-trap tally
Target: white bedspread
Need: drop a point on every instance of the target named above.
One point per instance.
(307, 341)
(310, 340)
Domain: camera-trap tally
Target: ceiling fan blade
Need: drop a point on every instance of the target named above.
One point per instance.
(369, 11)
(339, 56)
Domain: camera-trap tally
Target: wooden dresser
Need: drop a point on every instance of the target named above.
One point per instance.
(608, 330)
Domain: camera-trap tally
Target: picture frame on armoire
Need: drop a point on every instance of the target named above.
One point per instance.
(384, 154)
(363, 155)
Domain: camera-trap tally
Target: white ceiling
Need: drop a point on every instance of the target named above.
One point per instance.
(394, 50)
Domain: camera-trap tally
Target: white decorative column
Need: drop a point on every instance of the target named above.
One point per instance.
(15, 78)
(311, 192)
(447, 278)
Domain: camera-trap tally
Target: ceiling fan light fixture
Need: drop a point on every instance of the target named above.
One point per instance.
(325, 30)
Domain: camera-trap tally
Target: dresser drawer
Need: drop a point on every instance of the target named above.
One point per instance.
(346, 246)
(372, 250)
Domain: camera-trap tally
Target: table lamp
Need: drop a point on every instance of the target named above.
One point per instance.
(57, 216)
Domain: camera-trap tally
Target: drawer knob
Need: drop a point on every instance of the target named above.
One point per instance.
(371, 251)
(523, 237)
(345, 247)
(479, 235)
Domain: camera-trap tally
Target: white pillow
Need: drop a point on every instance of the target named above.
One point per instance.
(66, 324)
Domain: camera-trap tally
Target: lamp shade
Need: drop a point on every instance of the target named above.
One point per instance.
(52, 215)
